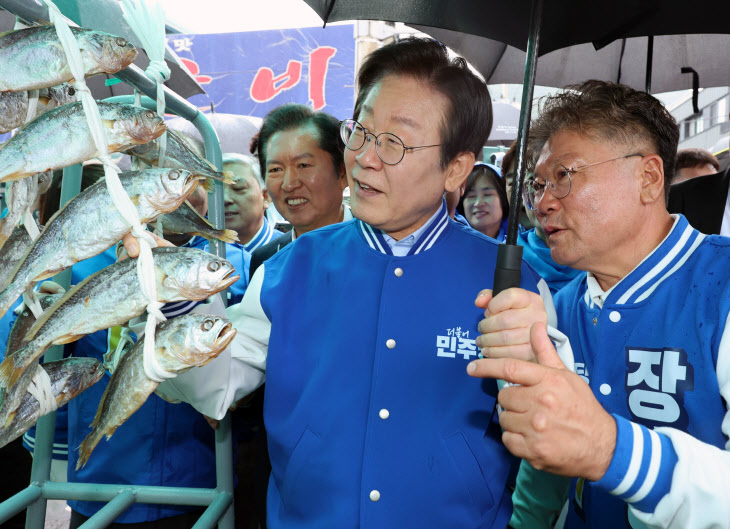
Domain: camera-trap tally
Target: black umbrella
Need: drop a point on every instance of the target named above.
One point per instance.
(523, 25)
(505, 122)
(623, 60)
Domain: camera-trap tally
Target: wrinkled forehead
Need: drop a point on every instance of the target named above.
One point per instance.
(239, 171)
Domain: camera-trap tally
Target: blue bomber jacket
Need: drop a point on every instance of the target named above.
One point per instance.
(371, 417)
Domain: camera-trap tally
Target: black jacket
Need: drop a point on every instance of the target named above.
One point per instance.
(702, 200)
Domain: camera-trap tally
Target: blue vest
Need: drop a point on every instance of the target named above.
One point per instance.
(371, 418)
(650, 354)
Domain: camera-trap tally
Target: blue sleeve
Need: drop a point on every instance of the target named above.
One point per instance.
(641, 469)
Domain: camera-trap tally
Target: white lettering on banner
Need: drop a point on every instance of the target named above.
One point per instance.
(455, 342)
(656, 381)
(182, 44)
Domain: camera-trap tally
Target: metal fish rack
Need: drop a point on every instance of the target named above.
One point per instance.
(218, 501)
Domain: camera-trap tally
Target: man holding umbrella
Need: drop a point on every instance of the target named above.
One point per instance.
(643, 423)
(364, 328)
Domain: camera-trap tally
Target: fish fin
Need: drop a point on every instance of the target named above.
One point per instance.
(3, 237)
(10, 373)
(208, 185)
(67, 338)
(228, 177)
(86, 447)
(107, 123)
(228, 236)
(11, 418)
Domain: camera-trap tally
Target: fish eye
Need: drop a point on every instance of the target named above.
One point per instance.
(214, 266)
(121, 42)
(207, 325)
(150, 114)
(71, 91)
(174, 174)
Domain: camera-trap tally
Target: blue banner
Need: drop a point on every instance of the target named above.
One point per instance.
(253, 72)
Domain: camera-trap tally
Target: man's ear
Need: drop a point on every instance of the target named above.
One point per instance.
(458, 169)
(267, 198)
(342, 174)
(652, 179)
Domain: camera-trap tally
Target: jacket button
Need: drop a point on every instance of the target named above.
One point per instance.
(374, 495)
(390, 344)
(384, 414)
(605, 389)
(614, 316)
(398, 272)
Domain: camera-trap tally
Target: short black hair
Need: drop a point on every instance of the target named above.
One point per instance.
(695, 157)
(468, 118)
(293, 116)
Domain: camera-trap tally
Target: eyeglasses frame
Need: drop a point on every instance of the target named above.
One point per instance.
(344, 127)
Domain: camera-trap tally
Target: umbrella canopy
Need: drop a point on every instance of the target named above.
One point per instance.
(505, 123)
(102, 15)
(623, 60)
(234, 131)
(564, 23)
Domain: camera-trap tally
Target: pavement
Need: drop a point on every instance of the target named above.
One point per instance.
(58, 514)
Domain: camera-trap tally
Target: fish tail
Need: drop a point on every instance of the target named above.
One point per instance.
(208, 185)
(228, 177)
(228, 236)
(14, 366)
(86, 447)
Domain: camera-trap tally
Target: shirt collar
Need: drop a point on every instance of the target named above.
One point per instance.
(263, 236)
(679, 244)
(347, 215)
(420, 240)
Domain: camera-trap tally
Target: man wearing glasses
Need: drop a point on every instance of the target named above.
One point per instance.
(642, 425)
(364, 329)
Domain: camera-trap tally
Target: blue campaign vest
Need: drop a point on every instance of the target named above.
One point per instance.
(650, 354)
(372, 420)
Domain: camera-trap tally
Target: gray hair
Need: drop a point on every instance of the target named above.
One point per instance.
(247, 160)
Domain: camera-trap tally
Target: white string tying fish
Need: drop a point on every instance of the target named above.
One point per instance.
(147, 20)
(145, 263)
(40, 388)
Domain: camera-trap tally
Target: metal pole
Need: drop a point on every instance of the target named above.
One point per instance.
(110, 511)
(216, 213)
(18, 502)
(649, 61)
(509, 255)
(46, 426)
(213, 513)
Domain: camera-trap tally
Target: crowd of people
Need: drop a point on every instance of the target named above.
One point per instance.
(367, 375)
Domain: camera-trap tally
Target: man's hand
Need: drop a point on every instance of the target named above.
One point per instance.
(505, 332)
(552, 419)
(131, 246)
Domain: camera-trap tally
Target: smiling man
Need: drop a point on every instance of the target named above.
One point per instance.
(364, 328)
(300, 154)
(643, 424)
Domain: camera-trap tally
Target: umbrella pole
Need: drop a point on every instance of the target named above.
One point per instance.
(509, 254)
(649, 61)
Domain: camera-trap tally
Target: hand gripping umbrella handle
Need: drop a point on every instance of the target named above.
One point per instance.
(509, 264)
